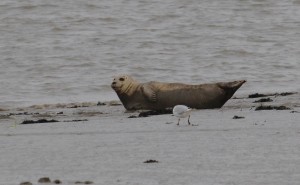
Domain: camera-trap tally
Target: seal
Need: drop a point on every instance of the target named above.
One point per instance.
(158, 95)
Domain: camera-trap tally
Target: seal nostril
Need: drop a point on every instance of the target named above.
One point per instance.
(113, 83)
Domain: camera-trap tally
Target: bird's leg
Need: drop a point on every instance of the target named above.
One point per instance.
(189, 120)
(178, 121)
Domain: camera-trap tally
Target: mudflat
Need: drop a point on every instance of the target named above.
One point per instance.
(101, 143)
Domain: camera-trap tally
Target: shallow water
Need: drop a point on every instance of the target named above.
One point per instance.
(68, 51)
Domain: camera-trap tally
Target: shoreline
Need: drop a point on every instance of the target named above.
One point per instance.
(267, 101)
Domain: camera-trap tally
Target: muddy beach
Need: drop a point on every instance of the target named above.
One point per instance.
(104, 144)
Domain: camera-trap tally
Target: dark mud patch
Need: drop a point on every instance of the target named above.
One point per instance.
(1, 109)
(75, 120)
(257, 95)
(286, 94)
(57, 181)
(132, 116)
(114, 103)
(88, 113)
(155, 112)
(50, 121)
(238, 117)
(263, 100)
(7, 116)
(270, 107)
(152, 113)
(23, 113)
(38, 121)
(4, 116)
(25, 183)
(101, 103)
(294, 111)
(43, 180)
(84, 182)
(77, 106)
(151, 161)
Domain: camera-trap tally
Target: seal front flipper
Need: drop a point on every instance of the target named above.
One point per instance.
(149, 92)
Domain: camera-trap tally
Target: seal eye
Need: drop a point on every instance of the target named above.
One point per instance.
(121, 79)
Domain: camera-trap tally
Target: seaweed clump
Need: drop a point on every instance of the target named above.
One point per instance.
(38, 121)
(155, 112)
(152, 113)
(151, 161)
(238, 117)
(263, 100)
(270, 107)
(257, 95)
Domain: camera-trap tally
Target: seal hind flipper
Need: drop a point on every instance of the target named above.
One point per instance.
(231, 85)
(230, 88)
(149, 92)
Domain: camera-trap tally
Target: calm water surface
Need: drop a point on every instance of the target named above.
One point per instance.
(55, 51)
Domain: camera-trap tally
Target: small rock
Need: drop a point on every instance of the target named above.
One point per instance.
(57, 181)
(74, 107)
(25, 183)
(294, 111)
(100, 103)
(44, 180)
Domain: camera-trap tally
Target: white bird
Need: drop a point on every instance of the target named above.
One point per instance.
(182, 111)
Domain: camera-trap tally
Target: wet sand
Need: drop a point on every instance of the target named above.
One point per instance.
(101, 144)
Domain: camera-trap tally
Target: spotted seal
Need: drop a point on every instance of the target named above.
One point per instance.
(158, 95)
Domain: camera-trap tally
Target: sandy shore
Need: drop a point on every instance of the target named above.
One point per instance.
(102, 145)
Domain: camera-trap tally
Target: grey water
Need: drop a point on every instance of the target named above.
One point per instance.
(55, 51)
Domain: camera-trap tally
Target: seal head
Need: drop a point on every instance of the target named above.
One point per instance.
(123, 84)
(129, 92)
